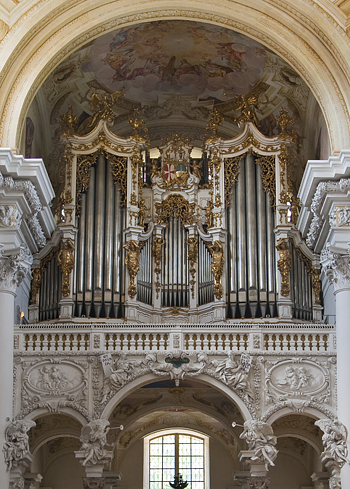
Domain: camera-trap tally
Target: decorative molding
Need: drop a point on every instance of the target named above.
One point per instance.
(323, 188)
(14, 268)
(336, 267)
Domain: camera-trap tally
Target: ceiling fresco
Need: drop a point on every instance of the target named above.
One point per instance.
(174, 72)
(180, 57)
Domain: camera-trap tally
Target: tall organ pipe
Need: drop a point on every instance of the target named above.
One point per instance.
(261, 242)
(108, 245)
(81, 256)
(100, 196)
(118, 255)
(271, 268)
(241, 244)
(251, 214)
(232, 237)
(89, 233)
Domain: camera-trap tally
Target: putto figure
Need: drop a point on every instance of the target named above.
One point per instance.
(94, 440)
(334, 441)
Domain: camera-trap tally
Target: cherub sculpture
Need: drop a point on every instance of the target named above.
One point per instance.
(260, 438)
(16, 446)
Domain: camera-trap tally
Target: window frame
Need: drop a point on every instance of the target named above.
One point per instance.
(179, 431)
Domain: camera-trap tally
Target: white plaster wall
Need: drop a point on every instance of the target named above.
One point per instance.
(65, 472)
(288, 473)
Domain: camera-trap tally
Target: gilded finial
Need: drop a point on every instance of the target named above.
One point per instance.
(68, 122)
(284, 120)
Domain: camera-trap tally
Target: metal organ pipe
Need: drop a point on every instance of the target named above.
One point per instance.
(242, 239)
(80, 260)
(118, 253)
(99, 235)
(261, 242)
(89, 233)
(271, 257)
(251, 215)
(108, 244)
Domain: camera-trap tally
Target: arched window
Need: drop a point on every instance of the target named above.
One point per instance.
(172, 452)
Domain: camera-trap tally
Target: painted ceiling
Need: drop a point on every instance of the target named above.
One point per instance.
(174, 72)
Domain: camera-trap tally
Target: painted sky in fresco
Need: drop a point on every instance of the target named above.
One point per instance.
(183, 57)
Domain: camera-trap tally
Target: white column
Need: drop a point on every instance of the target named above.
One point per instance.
(337, 269)
(13, 269)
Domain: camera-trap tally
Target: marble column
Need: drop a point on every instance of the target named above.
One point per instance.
(13, 269)
(336, 264)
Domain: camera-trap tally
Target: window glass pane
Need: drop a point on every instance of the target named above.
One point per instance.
(197, 449)
(169, 462)
(155, 475)
(169, 450)
(197, 485)
(184, 449)
(198, 462)
(184, 462)
(169, 439)
(155, 449)
(168, 476)
(197, 474)
(155, 462)
(184, 439)
(156, 440)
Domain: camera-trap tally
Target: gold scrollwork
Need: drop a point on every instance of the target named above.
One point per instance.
(192, 257)
(284, 265)
(132, 262)
(215, 121)
(119, 166)
(247, 104)
(157, 254)
(175, 206)
(217, 265)
(102, 106)
(268, 175)
(66, 264)
(84, 164)
(231, 170)
(38, 272)
(68, 123)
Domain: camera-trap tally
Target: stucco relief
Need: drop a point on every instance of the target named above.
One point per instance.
(296, 378)
(54, 383)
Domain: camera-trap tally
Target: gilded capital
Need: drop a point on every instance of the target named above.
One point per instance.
(14, 268)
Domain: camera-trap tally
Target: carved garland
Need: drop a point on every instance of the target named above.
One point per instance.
(66, 264)
(268, 175)
(175, 206)
(192, 257)
(157, 254)
(217, 266)
(284, 265)
(132, 262)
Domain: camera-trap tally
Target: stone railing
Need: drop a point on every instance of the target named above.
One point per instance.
(241, 337)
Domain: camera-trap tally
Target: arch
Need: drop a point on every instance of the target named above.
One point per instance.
(47, 34)
(37, 413)
(311, 412)
(149, 378)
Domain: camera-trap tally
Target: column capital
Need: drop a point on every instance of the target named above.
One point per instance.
(336, 265)
(14, 268)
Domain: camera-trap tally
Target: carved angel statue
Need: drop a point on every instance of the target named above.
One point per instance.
(260, 438)
(334, 441)
(94, 440)
(16, 446)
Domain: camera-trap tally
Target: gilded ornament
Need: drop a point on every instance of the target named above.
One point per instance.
(84, 164)
(138, 125)
(247, 104)
(231, 170)
(68, 123)
(37, 275)
(284, 120)
(119, 165)
(213, 125)
(217, 265)
(132, 262)
(192, 257)
(157, 254)
(317, 285)
(66, 264)
(284, 265)
(102, 106)
(175, 205)
(268, 175)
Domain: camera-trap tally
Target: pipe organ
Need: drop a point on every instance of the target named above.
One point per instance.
(175, 237)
